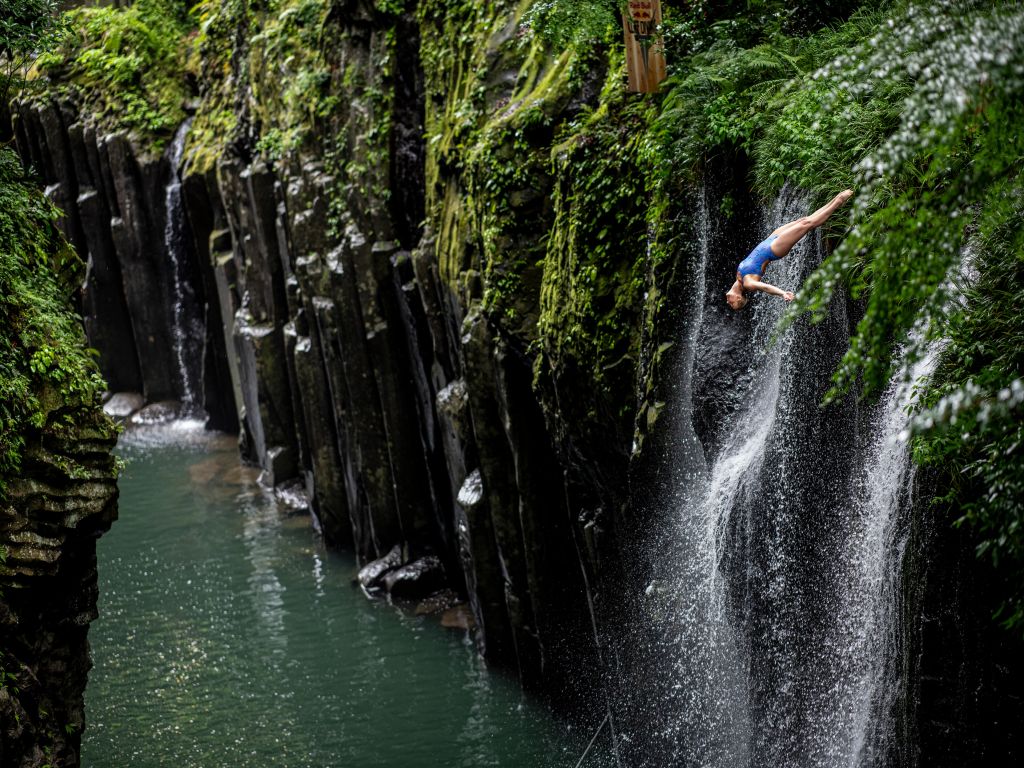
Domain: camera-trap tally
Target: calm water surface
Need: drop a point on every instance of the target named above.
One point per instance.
(228, 636)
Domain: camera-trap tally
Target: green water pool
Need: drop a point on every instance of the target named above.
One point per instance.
(230, 636)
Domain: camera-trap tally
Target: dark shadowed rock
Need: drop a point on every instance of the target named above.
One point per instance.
(416, 580)
(64, 497)
(371, 575)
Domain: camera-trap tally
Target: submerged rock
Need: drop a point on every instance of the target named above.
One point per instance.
(439, 602)
(458, 617)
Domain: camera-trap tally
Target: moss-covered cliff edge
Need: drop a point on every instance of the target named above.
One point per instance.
(444, 268)
(58, 488)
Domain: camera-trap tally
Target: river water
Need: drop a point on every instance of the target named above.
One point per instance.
(229, 636)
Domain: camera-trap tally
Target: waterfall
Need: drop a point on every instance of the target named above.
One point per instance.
(186, 333)
(874, 555)
(775, 582)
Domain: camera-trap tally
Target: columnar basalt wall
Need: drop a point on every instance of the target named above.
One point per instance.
(112, 193)
(404, 408)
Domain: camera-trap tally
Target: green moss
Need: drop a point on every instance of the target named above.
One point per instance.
(47, 377)
(495, 100)
(262, 75)
(596, 258)
(123, 67)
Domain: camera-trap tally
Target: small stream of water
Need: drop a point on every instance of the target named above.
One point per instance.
(187, 336)
(230, 637)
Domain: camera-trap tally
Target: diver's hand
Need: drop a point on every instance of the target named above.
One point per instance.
(845, 195)
(788, 295)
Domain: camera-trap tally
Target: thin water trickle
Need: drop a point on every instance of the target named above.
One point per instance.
(187, 338)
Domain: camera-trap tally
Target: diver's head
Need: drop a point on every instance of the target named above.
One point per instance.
(736, 298)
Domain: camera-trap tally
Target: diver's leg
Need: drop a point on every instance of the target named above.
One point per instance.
(789, 234)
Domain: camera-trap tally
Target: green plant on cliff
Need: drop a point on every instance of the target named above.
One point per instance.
(124, 66)
(287, 73)
(917, 107)
(46, 372)
(971, 430)
(262, 76)
(596, 255)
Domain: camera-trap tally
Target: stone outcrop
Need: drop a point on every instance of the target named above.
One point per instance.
(63, 499)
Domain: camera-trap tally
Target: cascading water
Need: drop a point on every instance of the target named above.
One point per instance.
(773, 591)
(187, 334)
(873, 556)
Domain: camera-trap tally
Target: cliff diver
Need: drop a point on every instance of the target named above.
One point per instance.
(774, 247)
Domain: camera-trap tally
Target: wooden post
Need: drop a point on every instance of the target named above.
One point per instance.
(645, 48)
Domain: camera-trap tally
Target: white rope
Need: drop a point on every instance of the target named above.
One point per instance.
(591, 744)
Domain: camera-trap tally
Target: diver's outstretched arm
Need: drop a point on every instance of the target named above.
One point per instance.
(760, 285)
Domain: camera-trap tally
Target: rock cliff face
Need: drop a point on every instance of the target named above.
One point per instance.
(449, 310)
(113, 195)
(63, 499)
(352, 335)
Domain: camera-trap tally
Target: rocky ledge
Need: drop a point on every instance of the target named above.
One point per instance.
(64, 498)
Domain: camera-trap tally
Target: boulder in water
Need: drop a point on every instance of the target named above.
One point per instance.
(416, 580)
(458, 617)
(121, 405)
(371, 575)
(156, 413)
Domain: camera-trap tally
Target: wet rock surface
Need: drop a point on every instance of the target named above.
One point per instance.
(416, 580)
(63, 500)
(371, 576)
(121, 405)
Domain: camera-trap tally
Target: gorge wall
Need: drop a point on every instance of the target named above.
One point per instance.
(429, 271)
(58, 490)
(51, 516)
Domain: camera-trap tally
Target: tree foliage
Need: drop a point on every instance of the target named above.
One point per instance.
(27, 27)
(574, 23)
(124, 66)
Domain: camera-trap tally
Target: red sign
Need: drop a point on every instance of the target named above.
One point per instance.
(641, 10)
